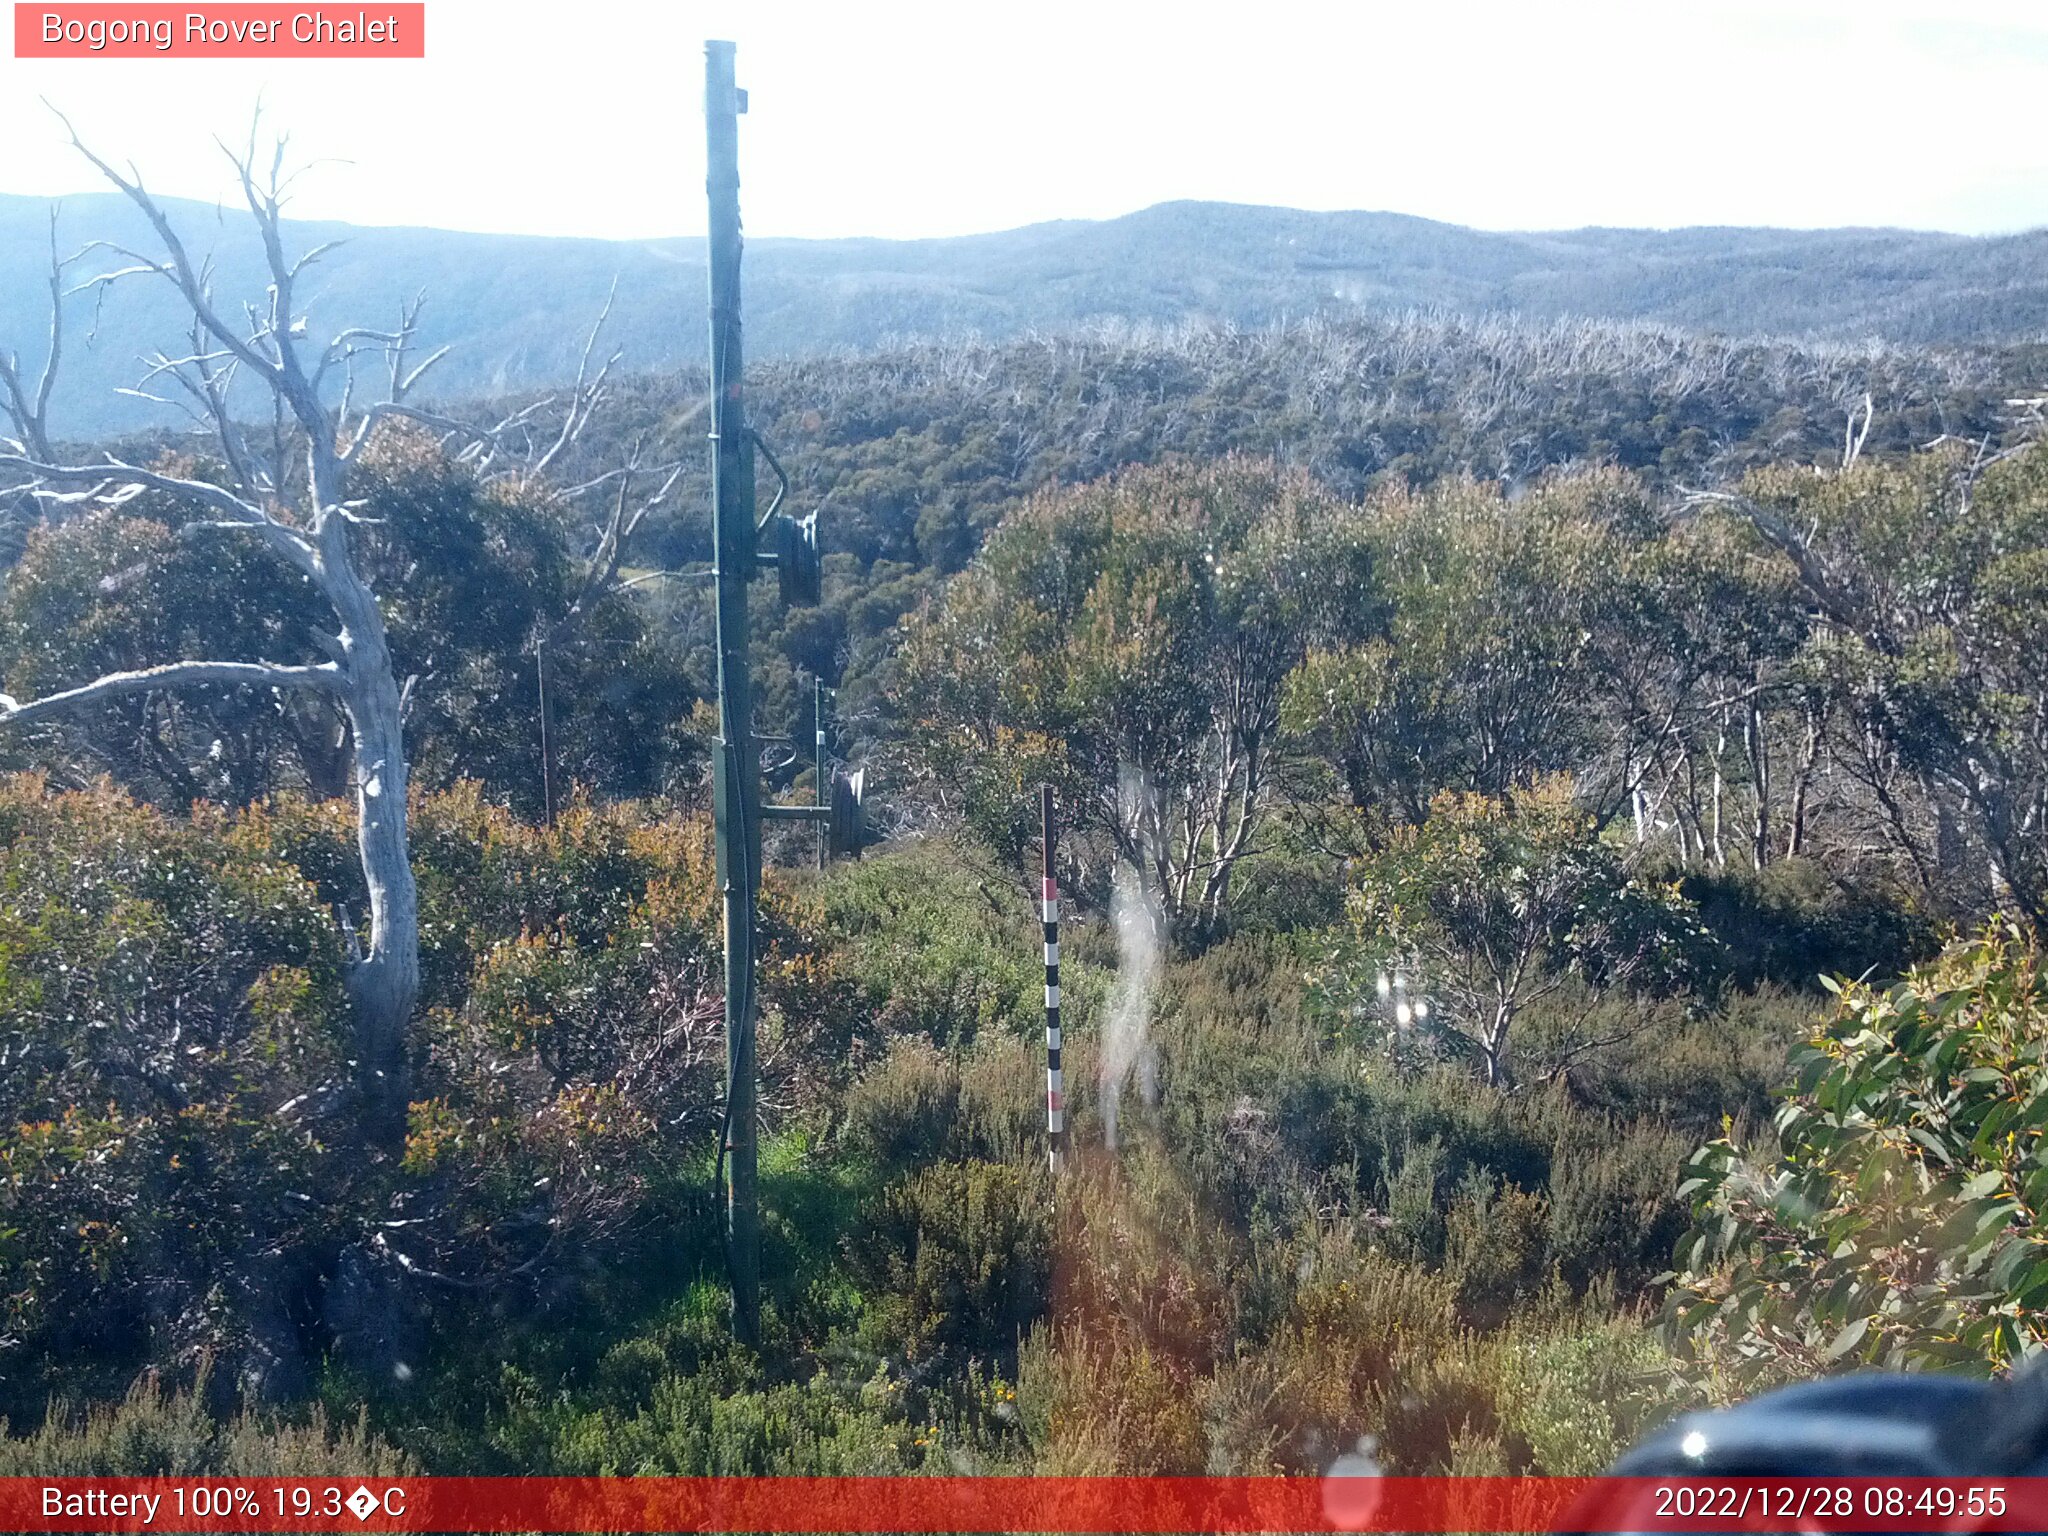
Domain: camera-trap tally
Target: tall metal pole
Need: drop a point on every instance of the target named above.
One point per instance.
(821, 793)
(1049, 912)
(547, 733)
(736, 776)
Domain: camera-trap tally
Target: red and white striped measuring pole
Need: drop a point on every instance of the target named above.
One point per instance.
(1055, 1090)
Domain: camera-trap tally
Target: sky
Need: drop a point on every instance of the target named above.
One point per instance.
(903, 120)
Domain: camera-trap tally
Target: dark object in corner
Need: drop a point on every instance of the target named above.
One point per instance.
(1858, 1426)
(1871, 1425)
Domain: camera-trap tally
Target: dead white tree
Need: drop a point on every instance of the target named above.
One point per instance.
(1856, 429)
(600, 577)
(286, 485)
(26, 404)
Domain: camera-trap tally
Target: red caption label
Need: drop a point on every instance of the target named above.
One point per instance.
(237, 31)
(1165, 1506)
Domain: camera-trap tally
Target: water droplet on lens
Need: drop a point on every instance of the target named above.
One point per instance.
(1351, 1488)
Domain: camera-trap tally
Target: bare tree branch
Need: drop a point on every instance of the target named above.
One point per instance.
(1814, 575)
(179, 270)
(1854, 433)
(177, 674)
(29, 410)
(393, 410)
(603, 570)
(587, 392)
(289, 542)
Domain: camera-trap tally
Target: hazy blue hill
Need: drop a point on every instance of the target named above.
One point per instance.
(514, 307)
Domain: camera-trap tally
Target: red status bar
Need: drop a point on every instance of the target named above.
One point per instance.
(1022, 1504)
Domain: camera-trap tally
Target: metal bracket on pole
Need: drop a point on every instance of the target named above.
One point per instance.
(843, 817)
(846, 816)
(793, 541)
(797, 564)
(781, 479)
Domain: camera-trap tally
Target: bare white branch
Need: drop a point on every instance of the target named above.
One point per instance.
(29, 409)
(178, 674)
(587, 392)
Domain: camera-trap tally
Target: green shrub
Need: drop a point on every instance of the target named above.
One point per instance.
(1691, 1068)
(904, 1111)
(1578, 1396)
(1494, 1244)
(1793, 923)
(1444, 1410)
(1415, 1191)
(169, 1147)
(693, 1427)
(1486, 909)
(1002, 1099)
(1894, 1217)
(1286, 891)
(1095, 1401)
(1140, 1249)
(919, 1104)
(580, 1054)
(955, 1264)
(180, 1173)
(154, 1433)
(1613, 1213)
(939, 947)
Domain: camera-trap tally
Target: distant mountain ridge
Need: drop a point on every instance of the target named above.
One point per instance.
(514, 308)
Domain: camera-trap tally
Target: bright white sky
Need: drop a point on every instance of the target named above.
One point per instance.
(901, 118)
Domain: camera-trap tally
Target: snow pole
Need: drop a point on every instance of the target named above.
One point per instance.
(1049, 896)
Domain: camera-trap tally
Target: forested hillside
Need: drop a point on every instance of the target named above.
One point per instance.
(508, 304)
(1556, 836)
(911, 455)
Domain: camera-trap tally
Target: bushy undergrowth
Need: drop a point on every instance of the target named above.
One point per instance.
(1302, 1239)
(182, 1176)
(1793, 924)
(156, 1432)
